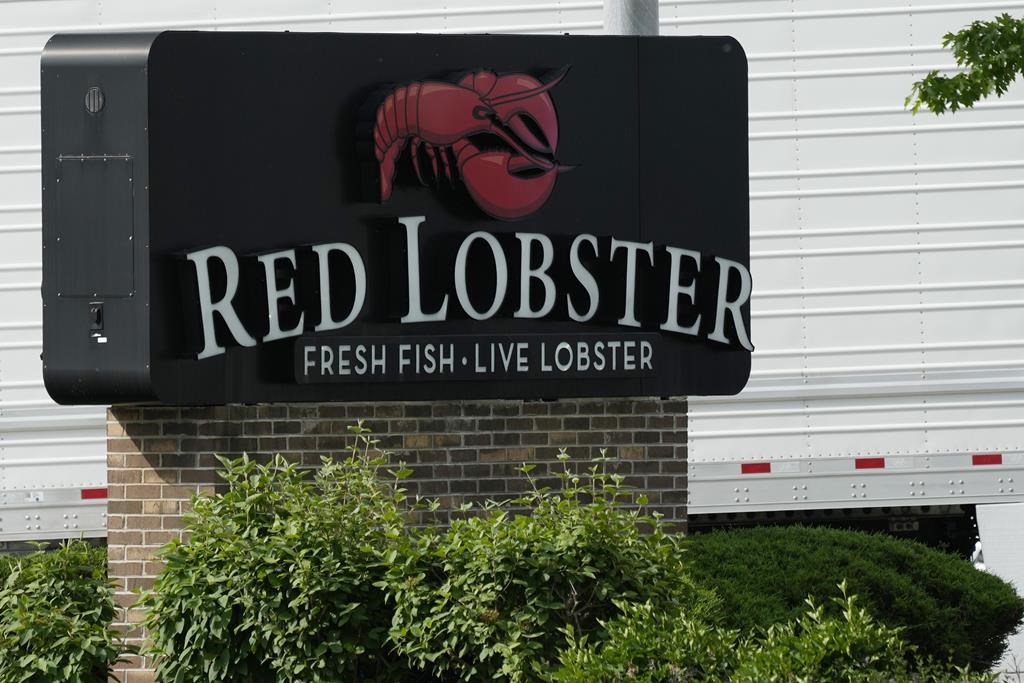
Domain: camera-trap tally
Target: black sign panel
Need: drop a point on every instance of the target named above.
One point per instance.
(330, 217)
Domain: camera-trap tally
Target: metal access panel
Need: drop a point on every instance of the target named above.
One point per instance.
(94, 231)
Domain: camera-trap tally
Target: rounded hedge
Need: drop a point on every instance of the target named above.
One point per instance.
(947, 608)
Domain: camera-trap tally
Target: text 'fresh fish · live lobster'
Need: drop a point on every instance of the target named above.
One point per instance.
(501, 130)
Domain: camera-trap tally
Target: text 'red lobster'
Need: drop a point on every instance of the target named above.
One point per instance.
(515, 121)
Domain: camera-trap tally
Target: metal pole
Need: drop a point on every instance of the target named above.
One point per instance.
(631, 17)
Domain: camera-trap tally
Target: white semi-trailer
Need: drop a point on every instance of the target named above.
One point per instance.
(888, 261)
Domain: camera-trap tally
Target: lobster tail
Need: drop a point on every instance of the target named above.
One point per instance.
(394, 123)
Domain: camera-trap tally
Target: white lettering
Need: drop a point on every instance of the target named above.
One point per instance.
(671, 323)
(733, 307)
(599, 356)
(326, 360)
(629, 316)
(208, 307)
(584, 277)
(274, 295)
(378, 364)
(582, 356)
(323, 252)
(308, 361)
(527, 273)
(628, 355)
(344, 364)
(412, 248)
(563, 365)
(500, 269)
(447, 360)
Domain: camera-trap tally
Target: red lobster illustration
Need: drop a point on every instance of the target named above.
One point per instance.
(502, 131)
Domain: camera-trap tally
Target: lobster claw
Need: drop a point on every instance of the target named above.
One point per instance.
(519, 100)
(506, 186)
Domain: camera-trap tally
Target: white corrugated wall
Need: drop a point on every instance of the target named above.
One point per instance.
(888, 265)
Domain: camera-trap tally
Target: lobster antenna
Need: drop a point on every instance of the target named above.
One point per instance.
(544, 87)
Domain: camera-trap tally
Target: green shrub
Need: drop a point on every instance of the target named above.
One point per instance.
(281, 577)
(948, 609)
(55, 613)
(648, 646)
(490, 597)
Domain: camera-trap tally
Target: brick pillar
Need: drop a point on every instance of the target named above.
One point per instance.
(158, 457)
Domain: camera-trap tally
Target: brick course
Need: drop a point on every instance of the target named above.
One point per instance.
(159, 457)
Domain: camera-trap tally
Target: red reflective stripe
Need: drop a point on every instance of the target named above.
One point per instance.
(987, 459)
(756, 467)
(94, 493)
(870, 463)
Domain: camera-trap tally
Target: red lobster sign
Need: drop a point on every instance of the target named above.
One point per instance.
(497, 133)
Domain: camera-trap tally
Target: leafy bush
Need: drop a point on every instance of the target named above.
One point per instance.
(55, 613)
(948, 609)
(648, 646)
(280, 580)
(289, 576)
(490, 597)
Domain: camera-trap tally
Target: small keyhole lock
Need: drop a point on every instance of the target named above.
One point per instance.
(96, 316)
